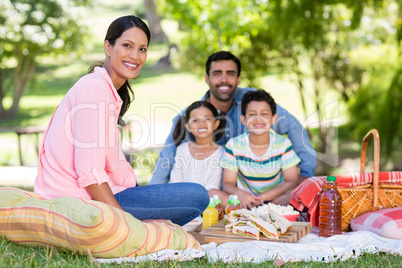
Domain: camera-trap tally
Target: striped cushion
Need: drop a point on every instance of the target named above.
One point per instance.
(386, 222)
(86, 226)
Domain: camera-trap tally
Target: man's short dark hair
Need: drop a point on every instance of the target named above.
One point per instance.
(257, 95)
(222, 55)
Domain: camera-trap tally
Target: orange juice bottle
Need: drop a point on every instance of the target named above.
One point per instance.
(218, 207)
(210, 215)
(233, 204)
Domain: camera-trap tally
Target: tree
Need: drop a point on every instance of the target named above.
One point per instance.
(309, 39)
(32, 28)
(154, 21)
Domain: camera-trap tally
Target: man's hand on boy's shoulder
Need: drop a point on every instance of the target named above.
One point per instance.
(247, 200)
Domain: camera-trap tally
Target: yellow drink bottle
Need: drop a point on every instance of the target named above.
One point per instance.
(210, 215)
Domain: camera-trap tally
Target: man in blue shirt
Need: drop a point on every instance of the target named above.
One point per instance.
(223, 76)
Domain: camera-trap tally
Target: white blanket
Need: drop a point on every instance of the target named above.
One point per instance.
(309, 248)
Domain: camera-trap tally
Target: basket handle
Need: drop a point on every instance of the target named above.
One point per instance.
(372, 133)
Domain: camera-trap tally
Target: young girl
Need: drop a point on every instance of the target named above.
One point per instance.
(198, 161)
(81, 155)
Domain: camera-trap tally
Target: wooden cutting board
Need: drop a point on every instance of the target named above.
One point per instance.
(216, 233)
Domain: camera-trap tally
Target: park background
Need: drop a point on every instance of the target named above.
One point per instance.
(335, 65)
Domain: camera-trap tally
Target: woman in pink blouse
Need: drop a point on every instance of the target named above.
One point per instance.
(81, 154)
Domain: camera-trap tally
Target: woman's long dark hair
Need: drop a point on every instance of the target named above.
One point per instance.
(179, 131)
(115, 30)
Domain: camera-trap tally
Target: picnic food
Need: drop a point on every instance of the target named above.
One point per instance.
(271, 227)
(236, 214)
(280, 223)
(266, 228)
(229, 226)
(246, 230)
(263, 210)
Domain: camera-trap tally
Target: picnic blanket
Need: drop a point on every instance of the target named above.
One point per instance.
(307, 194)
(309, 248)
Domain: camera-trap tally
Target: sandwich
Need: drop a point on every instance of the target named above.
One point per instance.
(281, 224)
(247, 231)
(241, 214)
(237, 213)
(228, 227)
(266, 228)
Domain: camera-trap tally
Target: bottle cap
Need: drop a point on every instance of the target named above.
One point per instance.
(217, 199)
(211, 202)
(331, 178)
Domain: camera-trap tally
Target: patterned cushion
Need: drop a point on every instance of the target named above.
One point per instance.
(386, 222)
(86, 226)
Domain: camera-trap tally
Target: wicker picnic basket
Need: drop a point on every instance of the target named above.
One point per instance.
(358, 200)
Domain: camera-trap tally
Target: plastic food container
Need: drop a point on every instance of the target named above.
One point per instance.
(194, 225)
(291, 217)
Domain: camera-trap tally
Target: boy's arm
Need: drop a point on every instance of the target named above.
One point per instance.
(290, 177)
(247, 200)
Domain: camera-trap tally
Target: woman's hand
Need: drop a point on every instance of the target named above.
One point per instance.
(103, 193)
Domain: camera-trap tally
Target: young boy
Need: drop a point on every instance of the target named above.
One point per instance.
(259, 165)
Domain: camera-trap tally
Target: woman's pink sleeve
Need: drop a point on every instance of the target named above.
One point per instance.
(89, 128)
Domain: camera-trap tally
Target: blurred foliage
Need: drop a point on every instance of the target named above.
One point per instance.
(143, 162)
(313, 40)
(378, 101)
(33, 28)
(378, 104)
(265, 35)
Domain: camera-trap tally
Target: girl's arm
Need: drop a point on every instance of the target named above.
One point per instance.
(290, 177)
(103, 193)
(177, 174)
(214, 180)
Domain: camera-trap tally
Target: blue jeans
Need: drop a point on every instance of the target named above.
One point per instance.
(178, 202)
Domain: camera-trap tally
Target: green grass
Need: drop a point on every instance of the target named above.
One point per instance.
(12, 255)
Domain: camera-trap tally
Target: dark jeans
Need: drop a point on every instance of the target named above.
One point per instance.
(178, 202)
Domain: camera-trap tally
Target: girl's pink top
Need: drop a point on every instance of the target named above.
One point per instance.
(81, 144)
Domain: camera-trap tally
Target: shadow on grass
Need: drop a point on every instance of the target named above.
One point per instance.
(26, 117)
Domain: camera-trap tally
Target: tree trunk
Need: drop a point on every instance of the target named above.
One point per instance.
(21, 77)
(154, 21)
